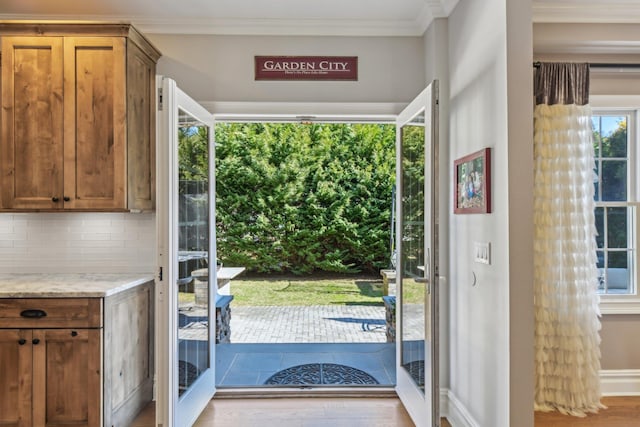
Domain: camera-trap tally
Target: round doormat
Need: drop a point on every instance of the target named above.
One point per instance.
(416, 370)
(187, 374)
(321, 373)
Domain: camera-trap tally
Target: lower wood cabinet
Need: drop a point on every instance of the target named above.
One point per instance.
(16, 378)
(87, 374)
(57, 381)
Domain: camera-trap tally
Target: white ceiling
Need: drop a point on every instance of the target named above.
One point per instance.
(297, 17)
(287, 17)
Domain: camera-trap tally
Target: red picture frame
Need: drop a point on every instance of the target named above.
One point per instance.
(472, 183)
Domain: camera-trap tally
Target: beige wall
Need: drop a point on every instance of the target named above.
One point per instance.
(221, 68)
(620, 346)
(606, 43)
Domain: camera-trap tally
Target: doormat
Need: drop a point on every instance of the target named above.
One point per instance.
(321, 373)
(187, 374)
(416, 370)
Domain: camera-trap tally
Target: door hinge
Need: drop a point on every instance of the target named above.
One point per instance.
(160, 274)
(160, 99)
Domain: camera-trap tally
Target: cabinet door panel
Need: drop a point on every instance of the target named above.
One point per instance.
(141, 125)
(67, 377)
(32, 153)
(15, 378)
(95, 123)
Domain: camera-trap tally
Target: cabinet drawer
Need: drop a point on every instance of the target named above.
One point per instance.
(50, 313)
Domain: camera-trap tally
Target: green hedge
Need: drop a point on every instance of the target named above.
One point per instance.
(300, 198)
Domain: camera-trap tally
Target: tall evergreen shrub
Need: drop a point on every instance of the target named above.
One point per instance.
(301, 198)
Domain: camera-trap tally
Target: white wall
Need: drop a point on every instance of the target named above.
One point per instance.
(491, 348)
(221, 68)
(77, 243)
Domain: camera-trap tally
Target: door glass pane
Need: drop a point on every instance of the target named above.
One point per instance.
(412, 259)
(193, 256)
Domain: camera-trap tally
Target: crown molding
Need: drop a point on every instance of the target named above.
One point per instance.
(615, 11)
(593, 38)
(413, 26)
(280, 27)
(266, 27)
(434, 9)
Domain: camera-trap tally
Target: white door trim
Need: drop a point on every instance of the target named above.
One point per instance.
(173, 410)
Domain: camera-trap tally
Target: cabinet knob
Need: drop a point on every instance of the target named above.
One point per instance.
(66, 198)
(22, 341)
(74, 333)
(55, 199)
(36, 341)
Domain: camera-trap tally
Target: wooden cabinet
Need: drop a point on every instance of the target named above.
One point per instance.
(66, 377)
(58, 380)
(84, 362)
(16, 380)
(78, 118)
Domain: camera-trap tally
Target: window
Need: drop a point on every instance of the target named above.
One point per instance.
(614, 139)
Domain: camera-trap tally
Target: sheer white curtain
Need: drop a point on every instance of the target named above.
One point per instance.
(565, 274)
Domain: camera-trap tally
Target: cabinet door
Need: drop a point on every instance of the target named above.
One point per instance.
(32, 123)
(15, 378)
(141, 129)
(95, 123)
(67, 377)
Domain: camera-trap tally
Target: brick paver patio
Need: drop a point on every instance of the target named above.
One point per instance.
(308, 324)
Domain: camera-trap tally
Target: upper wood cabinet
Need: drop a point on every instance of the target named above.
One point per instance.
(78, 117)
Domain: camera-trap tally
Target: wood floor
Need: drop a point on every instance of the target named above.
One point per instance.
(297, 412)
(370, 412)
(620, 412)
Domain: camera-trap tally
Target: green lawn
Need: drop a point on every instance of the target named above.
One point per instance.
(276, 290)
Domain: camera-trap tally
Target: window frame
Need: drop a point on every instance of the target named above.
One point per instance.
(628, 105)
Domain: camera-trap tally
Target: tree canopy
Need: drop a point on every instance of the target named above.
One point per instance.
(300, 198)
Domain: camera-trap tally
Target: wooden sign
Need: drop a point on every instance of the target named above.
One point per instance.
(306, 68)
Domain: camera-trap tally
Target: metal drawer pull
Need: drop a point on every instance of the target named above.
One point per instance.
(22, 341)
(36, 341)
(33, 314)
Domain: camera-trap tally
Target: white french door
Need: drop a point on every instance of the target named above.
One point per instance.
(186, 283)
(417, 258)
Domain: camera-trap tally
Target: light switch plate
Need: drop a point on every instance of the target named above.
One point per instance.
(482, 252)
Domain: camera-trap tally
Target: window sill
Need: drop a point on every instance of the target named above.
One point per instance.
(619, 305)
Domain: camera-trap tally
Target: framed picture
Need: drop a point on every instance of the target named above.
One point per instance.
(472, 179)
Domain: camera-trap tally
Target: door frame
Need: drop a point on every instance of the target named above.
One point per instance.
(173, 410)
(423, 408)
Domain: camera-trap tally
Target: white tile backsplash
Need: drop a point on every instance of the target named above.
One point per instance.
(77, 243)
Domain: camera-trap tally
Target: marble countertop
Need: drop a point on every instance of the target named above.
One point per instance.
(45, 285)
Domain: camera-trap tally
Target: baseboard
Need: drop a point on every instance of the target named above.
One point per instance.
(620, 382)
(613, 382)
(455, 412)
(444, 402)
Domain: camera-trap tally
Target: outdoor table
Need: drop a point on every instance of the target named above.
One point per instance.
(201, 282)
